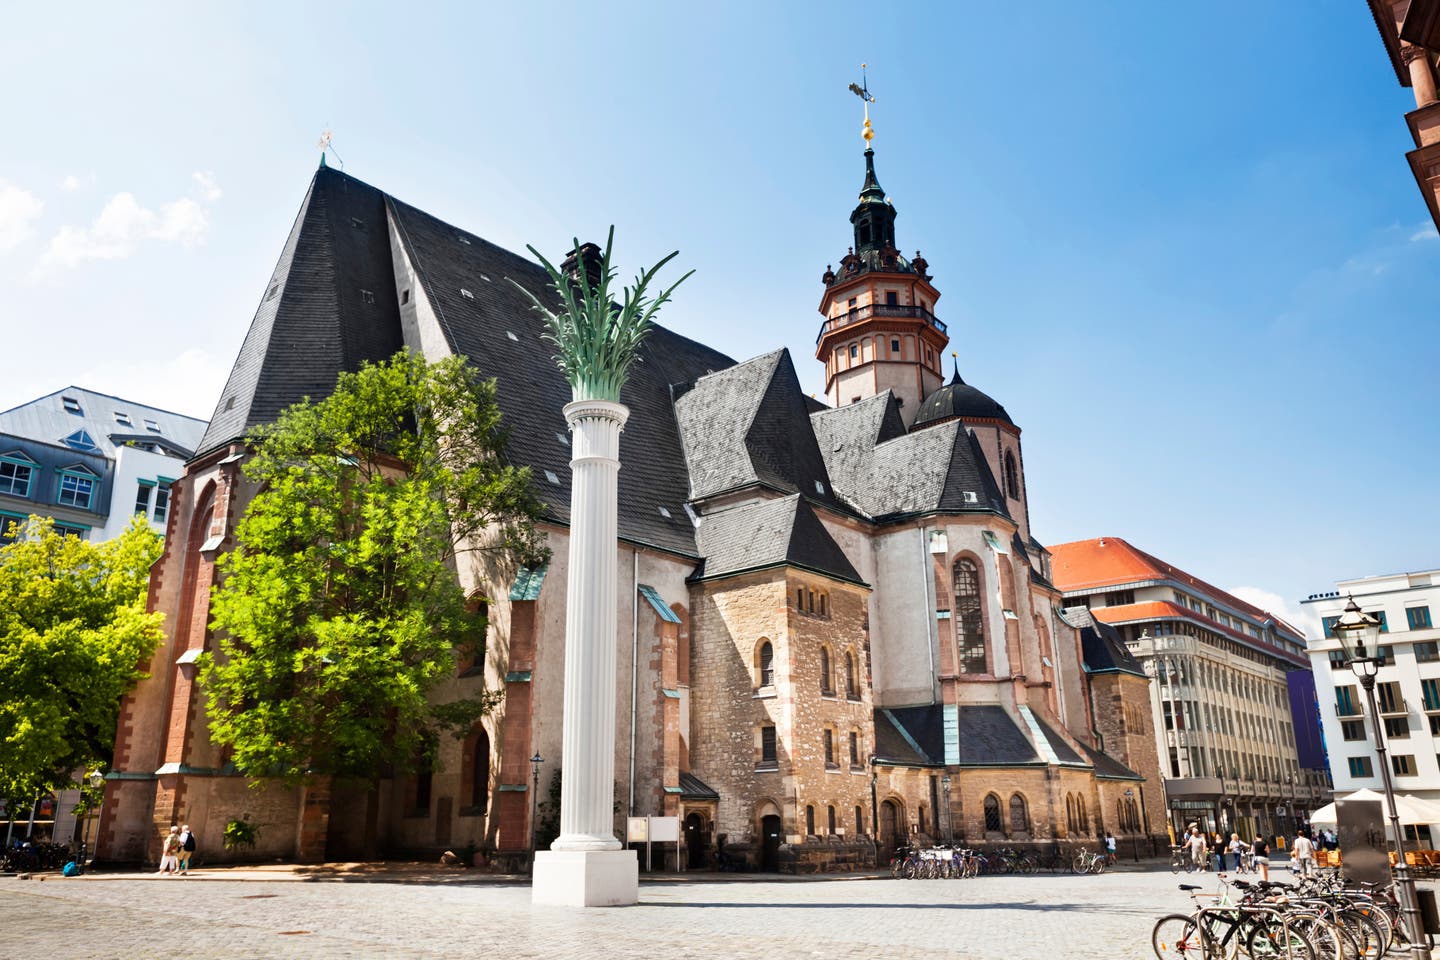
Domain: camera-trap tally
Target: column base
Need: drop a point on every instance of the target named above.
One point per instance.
(586, 878)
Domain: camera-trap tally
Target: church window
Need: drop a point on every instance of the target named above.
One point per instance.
(827, 686)
(892, 299)
(854, 749)
(766, 664)
(854, 351)
(830, 814)
(274, 289)
(968, 617)
(479, 771)
(851, 303)
(850, 689)
(767, 745)
(859, 822)
(810, 820)
(922, 817)
(865, 233)
(992, 813)
(830, 763)
(1012, 476)
(895, 346)
(824, 604)
(1019, 816)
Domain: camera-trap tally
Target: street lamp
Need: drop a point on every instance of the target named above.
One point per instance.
(874, 812)
(1358, 633)
(535, 762)
(1134, 830)
(949, 824)
(97, 780)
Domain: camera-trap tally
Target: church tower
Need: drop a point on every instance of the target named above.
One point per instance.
(880, 331)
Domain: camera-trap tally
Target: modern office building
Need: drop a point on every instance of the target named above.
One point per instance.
(1231, 694)
(91, 462)
(1407, 685)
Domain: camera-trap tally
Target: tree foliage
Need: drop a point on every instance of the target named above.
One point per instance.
(339, 611)
(74, 637)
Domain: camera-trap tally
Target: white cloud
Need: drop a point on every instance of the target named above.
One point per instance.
(19, 209)
(71, 183)
(209, 189)
(122, 226)
(189, 382)
(1425, 231)
(1300, 618)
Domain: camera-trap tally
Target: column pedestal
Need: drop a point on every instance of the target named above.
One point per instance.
(586, 878)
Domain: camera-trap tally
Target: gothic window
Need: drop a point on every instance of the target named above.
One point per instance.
(827, 685)
(479, 771)
(830, 813)
(765, 664)
(859, 821)
(922, 818)
(968, 618)
(1012, 476)
(824, 604)
(854, 749)
(850, 689)
(830, 749)
(810, 820)
(767, 746)
(1019, 816)
(992, 813)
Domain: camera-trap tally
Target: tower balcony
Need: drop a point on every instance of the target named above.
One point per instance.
(857, 314)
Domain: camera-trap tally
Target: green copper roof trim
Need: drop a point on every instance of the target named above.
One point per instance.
(528, 583)
(673, 790)
(661, 610)
(513, 788)
(672, 694)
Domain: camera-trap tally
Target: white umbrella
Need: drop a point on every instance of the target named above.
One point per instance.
(1412, 810)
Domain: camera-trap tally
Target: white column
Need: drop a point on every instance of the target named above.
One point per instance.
(587, 788)
(586, 866)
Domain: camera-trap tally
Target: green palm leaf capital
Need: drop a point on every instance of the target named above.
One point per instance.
(597, 339)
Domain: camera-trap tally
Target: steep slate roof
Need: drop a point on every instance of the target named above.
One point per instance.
(883, 475)
(958, 399)
(330, 306)
(1063, 750)
(769, 533)
(532, 389)
(1103, 649)
(911, 736)
(1107, 767)
(989, 736)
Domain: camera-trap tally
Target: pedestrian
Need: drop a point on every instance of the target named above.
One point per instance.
(169, 852)
(1303, 851)
(1261, 850)
(187, 849)
(1196, 843)
(1217, 847)
(1110, 847)
(1240, 850)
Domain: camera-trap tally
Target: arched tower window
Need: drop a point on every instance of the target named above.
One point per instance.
(810, 820)
(827, 683)
(1019, 816)
(851, 690)
(968, 617)
(480, 771)
(765, 664)
(992, 813)
(1012, 476)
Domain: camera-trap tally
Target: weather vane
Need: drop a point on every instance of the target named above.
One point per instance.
(325, 144)
(862, 90)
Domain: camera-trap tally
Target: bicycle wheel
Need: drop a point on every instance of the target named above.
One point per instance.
(1175, 864)
(1078, 865)
(1176, 935)
(1098, 865)
(1382, 923)
(1029, 866)
(1366, 932)
(909, 869)
(1280, 942)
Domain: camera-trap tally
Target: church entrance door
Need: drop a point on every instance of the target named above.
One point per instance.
(695, 842)
(889, 830)
(770, 844)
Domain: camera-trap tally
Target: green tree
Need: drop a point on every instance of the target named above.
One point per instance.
(340, 610)
(74, 638)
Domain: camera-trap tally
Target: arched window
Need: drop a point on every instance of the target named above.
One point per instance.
(1070, 822)
(1019, 816)
(480, 772)
(809, 601)
(850, 689)
(824, 604)
(921, 811)
(854, 750)
(968, 617)
(827, 684)
(810, 820)
(765, 664)
(830, 814)
(992, 813)
(1012, 476)
(1084, 814)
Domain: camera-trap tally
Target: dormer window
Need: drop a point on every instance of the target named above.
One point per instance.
(123, 419)
(152, 426)
(72, 405)
(80, 440)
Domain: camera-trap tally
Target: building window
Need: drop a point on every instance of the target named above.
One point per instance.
(1012, 476)
(1397, 728)
(1345, 703)
(1352, 729)
(895, 346)
(1389, 696)
(1419, 619)
(992, 813)
(1019, 818)
(76, 490)
(72, 405)
(1430, 692)
(830, 819)
(424, 785)
(162, 502)
(767, 746)
(1427, 652)
(9, 529)
(851, 691)
(80, 440)
(1338, 661)
(810, 820)
(15, 478)
(827, 685)
(859, 822)
(1434, 718)
(480, 772)
(1360, 767)
(854, 350)
(1119, 598)
(142, 499)
(1327, 627)
(892, 299)
(1402, 764)
(765, 663)
(854, 750)
(830, 763)
(65, 530)
(968, 617)
(152, 426)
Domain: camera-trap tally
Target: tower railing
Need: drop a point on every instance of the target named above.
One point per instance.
(856, 314)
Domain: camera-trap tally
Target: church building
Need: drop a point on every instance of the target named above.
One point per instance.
(837, 632)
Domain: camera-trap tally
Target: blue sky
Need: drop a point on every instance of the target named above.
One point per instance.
(1184, 251)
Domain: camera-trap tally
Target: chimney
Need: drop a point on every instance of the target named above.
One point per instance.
(589, 257)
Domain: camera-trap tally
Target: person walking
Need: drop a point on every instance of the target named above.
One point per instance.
(1110, 847)
(1304, 852)
(169, 852)
(1196, 843)
(1239, 849)
(1261, 850)
(1217, 847)
(187, 849)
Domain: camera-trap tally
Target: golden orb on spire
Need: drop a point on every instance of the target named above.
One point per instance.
(868, 132)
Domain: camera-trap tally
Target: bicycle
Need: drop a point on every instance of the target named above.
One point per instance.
(1088, 861)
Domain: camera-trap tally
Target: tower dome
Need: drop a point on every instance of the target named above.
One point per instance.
(958, 399)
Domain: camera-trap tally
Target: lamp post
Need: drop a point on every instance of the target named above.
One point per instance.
(97, 780)
(535, 762)
(874, 812)
(1355, 628)
(949, 824)
(1134, 840)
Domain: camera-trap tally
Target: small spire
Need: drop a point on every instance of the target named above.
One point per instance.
(862, 90)
(955, 380)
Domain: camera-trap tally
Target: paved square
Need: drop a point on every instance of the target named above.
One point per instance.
(1014, 917)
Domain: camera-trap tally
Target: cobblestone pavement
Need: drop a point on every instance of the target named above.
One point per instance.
(1012, 917)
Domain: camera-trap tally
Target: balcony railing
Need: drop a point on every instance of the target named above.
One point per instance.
(1347, 709)
(856, 314)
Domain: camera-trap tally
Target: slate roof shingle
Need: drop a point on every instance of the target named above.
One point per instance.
(768, 533)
